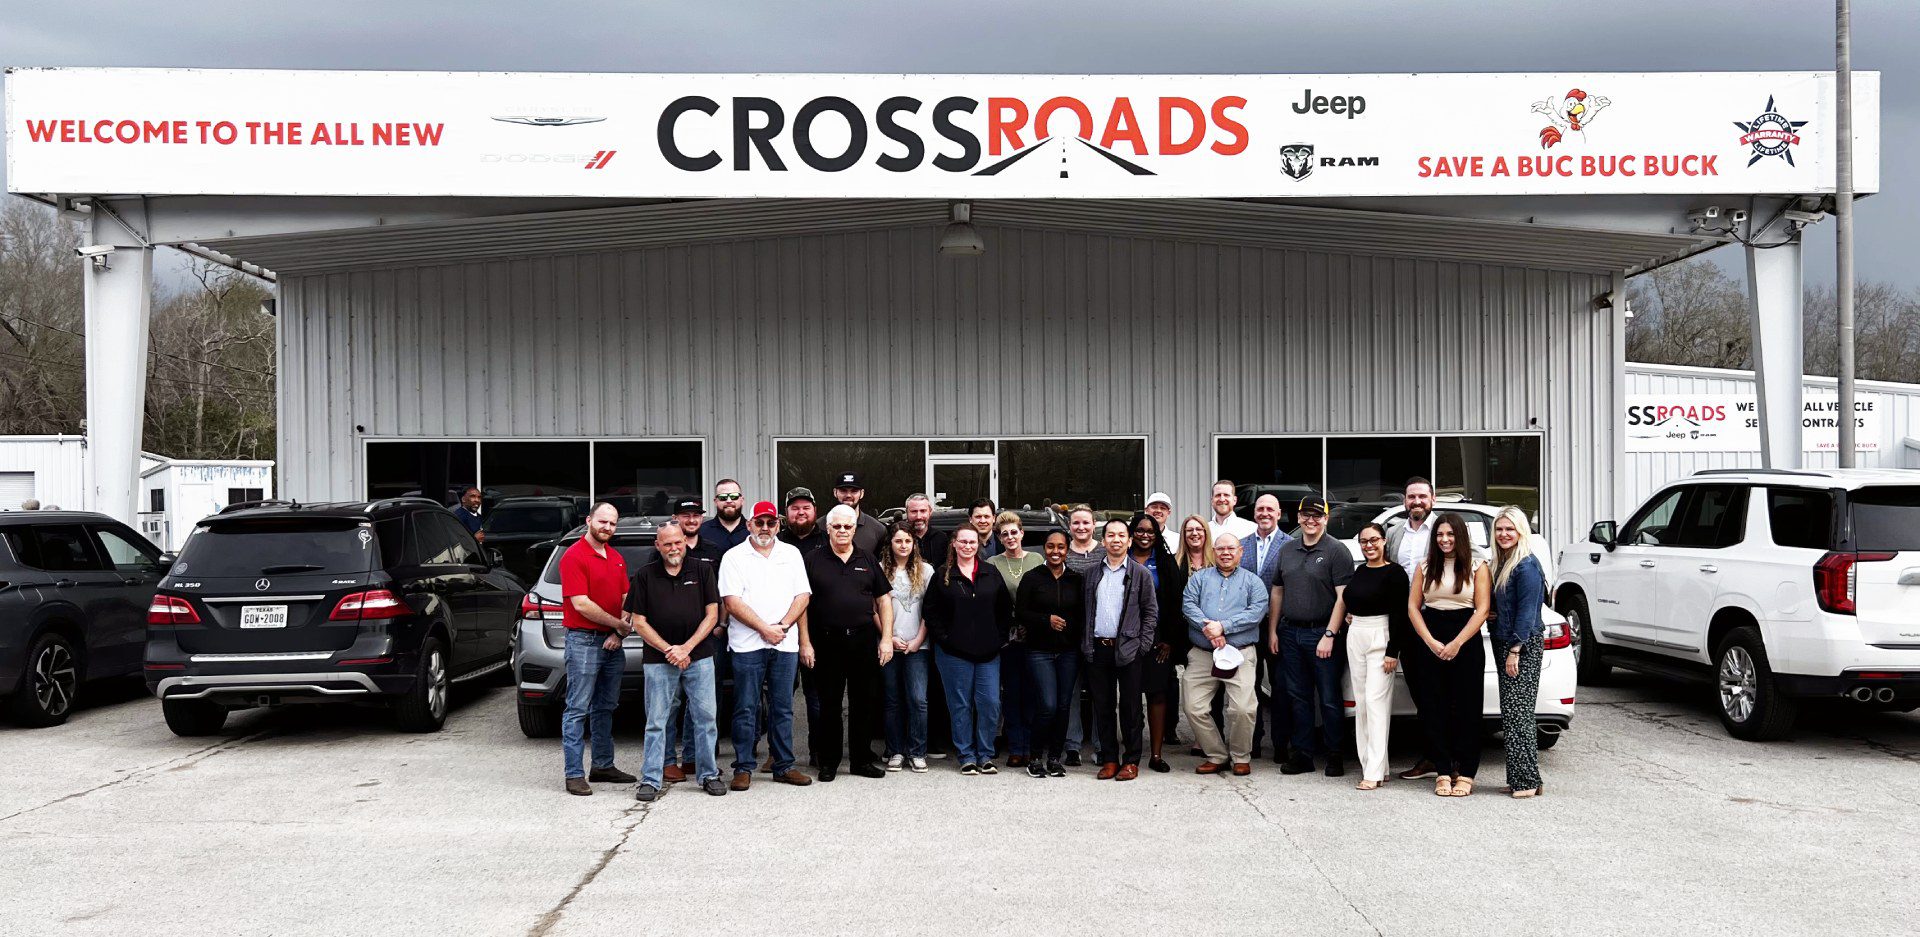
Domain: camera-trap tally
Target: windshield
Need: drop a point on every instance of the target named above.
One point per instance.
(635, 552)
(1886, 519)
(280, 546)
(528, 520)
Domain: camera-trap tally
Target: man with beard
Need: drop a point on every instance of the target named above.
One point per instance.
(593, 584)
(726, 529)
(933, 543)
(848, 490)
(763, 585)
(674, 604)
(802, 528)
(702, 553)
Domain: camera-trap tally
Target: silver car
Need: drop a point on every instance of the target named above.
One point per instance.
(540, 640)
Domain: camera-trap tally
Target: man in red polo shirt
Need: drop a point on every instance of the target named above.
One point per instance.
(593, 584)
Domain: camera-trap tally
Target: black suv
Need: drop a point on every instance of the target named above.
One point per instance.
(515, 525)
(280, 603)
(74, 588)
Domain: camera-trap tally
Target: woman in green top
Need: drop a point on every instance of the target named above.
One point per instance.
(1014, 561)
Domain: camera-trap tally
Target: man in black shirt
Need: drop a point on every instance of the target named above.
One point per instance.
(674, 605)
(802, 528)
(849, 490)
(845, 638)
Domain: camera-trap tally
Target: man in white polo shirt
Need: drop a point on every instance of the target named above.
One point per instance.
(1224, 521)
(763, 584)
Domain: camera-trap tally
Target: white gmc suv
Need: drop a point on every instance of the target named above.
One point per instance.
(1778, 585)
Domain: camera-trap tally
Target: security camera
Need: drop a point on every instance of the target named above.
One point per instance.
(94, 250)
(1804, 217)
(1701, 216)
(1738, 216)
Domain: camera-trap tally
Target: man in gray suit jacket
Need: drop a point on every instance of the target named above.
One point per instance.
(1260, 552)
(1122, 621)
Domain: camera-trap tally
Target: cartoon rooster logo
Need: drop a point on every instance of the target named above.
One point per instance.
(1570, 114)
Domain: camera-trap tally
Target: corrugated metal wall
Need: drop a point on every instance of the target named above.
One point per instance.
(1898, 404)
(58, 465)
(876, 334)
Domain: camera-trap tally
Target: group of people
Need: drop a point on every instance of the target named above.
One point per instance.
(1101, 639)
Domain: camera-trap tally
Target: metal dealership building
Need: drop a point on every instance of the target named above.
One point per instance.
(1040, 288)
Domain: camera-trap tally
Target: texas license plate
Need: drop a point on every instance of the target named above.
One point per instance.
(263, 616)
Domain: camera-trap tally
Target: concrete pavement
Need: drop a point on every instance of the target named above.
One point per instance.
(308, 821)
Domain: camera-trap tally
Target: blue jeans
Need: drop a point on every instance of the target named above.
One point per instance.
(1013, 698)
(1052, 677)
(666, 685)
(593, 690)
(973, 701)
(770, 673)
(1313, 682)
(905, 680)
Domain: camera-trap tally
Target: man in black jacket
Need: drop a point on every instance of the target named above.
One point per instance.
(1122, 621)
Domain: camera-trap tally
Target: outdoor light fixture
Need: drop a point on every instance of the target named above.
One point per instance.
(960, 239)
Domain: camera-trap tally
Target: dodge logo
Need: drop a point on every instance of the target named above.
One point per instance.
(1296, 160)
(262, 585)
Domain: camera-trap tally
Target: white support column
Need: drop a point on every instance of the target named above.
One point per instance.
(118, 303)
(1773, 310)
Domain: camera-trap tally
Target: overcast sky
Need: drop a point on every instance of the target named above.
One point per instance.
(1124, 36)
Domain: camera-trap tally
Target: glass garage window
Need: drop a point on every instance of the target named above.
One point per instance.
(1109, 474)
(523, 469)
(1287, 468)
(1496, 470)
(891, 470)
(438, 469)
(645, 478)
(1365, 469)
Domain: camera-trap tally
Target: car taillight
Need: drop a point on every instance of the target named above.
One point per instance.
(1834, 577)
(1558, 636)
(171, 610)
(371, 605)
(531, 607)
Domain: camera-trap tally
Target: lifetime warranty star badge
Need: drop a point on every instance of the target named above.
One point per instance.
(1770, 134)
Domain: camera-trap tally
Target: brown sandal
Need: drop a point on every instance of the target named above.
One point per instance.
(1462, 786)
(1443, 786)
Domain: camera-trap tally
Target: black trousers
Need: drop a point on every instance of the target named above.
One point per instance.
(1271, 714)
(1449, 694)
(846, 665)
(1116, 686)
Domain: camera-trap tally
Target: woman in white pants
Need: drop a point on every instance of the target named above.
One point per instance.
(1375, 601)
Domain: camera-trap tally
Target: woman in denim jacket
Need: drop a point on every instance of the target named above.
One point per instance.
(1519, 586)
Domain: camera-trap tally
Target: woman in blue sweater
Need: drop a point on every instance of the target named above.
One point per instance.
(1519, 586)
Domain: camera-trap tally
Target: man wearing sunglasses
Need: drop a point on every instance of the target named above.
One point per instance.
(763, 584)
(726, 529)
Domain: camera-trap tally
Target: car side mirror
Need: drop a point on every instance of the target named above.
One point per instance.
(164, 564)
(1603, 534)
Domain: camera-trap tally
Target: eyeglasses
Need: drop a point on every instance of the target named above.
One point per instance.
(1313, 518)
(731, 497)
(841, 526)
(1367, 540)
(764, 522)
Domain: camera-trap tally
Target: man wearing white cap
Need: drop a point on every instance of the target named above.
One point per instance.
(1160, 508)
(1224, 607)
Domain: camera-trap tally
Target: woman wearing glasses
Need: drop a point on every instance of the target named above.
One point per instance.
(1013, 561)
(1447, 607)
(969, 611)
(1376, 601)
(1160, 679)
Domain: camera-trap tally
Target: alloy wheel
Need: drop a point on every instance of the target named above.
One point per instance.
(436, 685)
(1737, 683)
(54, 679)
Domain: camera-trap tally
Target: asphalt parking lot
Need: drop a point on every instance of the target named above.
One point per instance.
(306, 821)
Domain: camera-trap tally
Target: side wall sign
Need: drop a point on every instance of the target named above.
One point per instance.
(1731, 423)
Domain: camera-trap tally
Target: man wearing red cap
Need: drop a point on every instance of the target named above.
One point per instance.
(763, 584)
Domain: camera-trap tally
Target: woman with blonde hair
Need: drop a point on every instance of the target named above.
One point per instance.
(1196, 546)
(1448, 604)
(1519, 586)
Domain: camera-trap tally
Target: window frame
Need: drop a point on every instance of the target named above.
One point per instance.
(137, 542)
(479, 468)
(1736, 513)
(1685, 495)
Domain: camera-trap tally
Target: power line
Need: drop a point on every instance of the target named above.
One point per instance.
(150, 351)
(230, 388)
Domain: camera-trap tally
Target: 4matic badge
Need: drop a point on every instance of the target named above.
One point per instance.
(1770, 134)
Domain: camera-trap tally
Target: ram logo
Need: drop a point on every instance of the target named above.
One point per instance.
(1296, 160)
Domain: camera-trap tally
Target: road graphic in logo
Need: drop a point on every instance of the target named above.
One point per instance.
(1770, 134)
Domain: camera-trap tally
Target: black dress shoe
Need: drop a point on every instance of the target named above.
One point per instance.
(868, 769)
(1159, 765)
(1424, 769)
(610, 774)
(828, 774)
(1299, 764)
(1072, 760)
(1336, 767)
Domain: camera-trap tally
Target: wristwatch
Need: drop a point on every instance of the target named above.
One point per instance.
(1332, 634)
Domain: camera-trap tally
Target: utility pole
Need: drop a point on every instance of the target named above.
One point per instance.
(1843, 222)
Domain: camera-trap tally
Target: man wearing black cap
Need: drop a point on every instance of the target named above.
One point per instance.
(848, 490)
(1313, 572)
(802, 527)
(700, 554)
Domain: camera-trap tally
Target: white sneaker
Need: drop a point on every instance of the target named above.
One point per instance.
(894, 762)
(919, 765)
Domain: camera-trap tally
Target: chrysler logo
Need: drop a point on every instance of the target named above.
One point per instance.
(532, 120)
(262, 585)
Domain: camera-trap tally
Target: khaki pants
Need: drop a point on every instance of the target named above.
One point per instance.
(1372, 692)
(1199, 686)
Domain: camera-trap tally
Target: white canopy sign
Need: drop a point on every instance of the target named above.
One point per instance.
(1731, 423)
(214, 132)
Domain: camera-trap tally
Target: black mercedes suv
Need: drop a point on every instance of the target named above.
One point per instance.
(387, 601)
